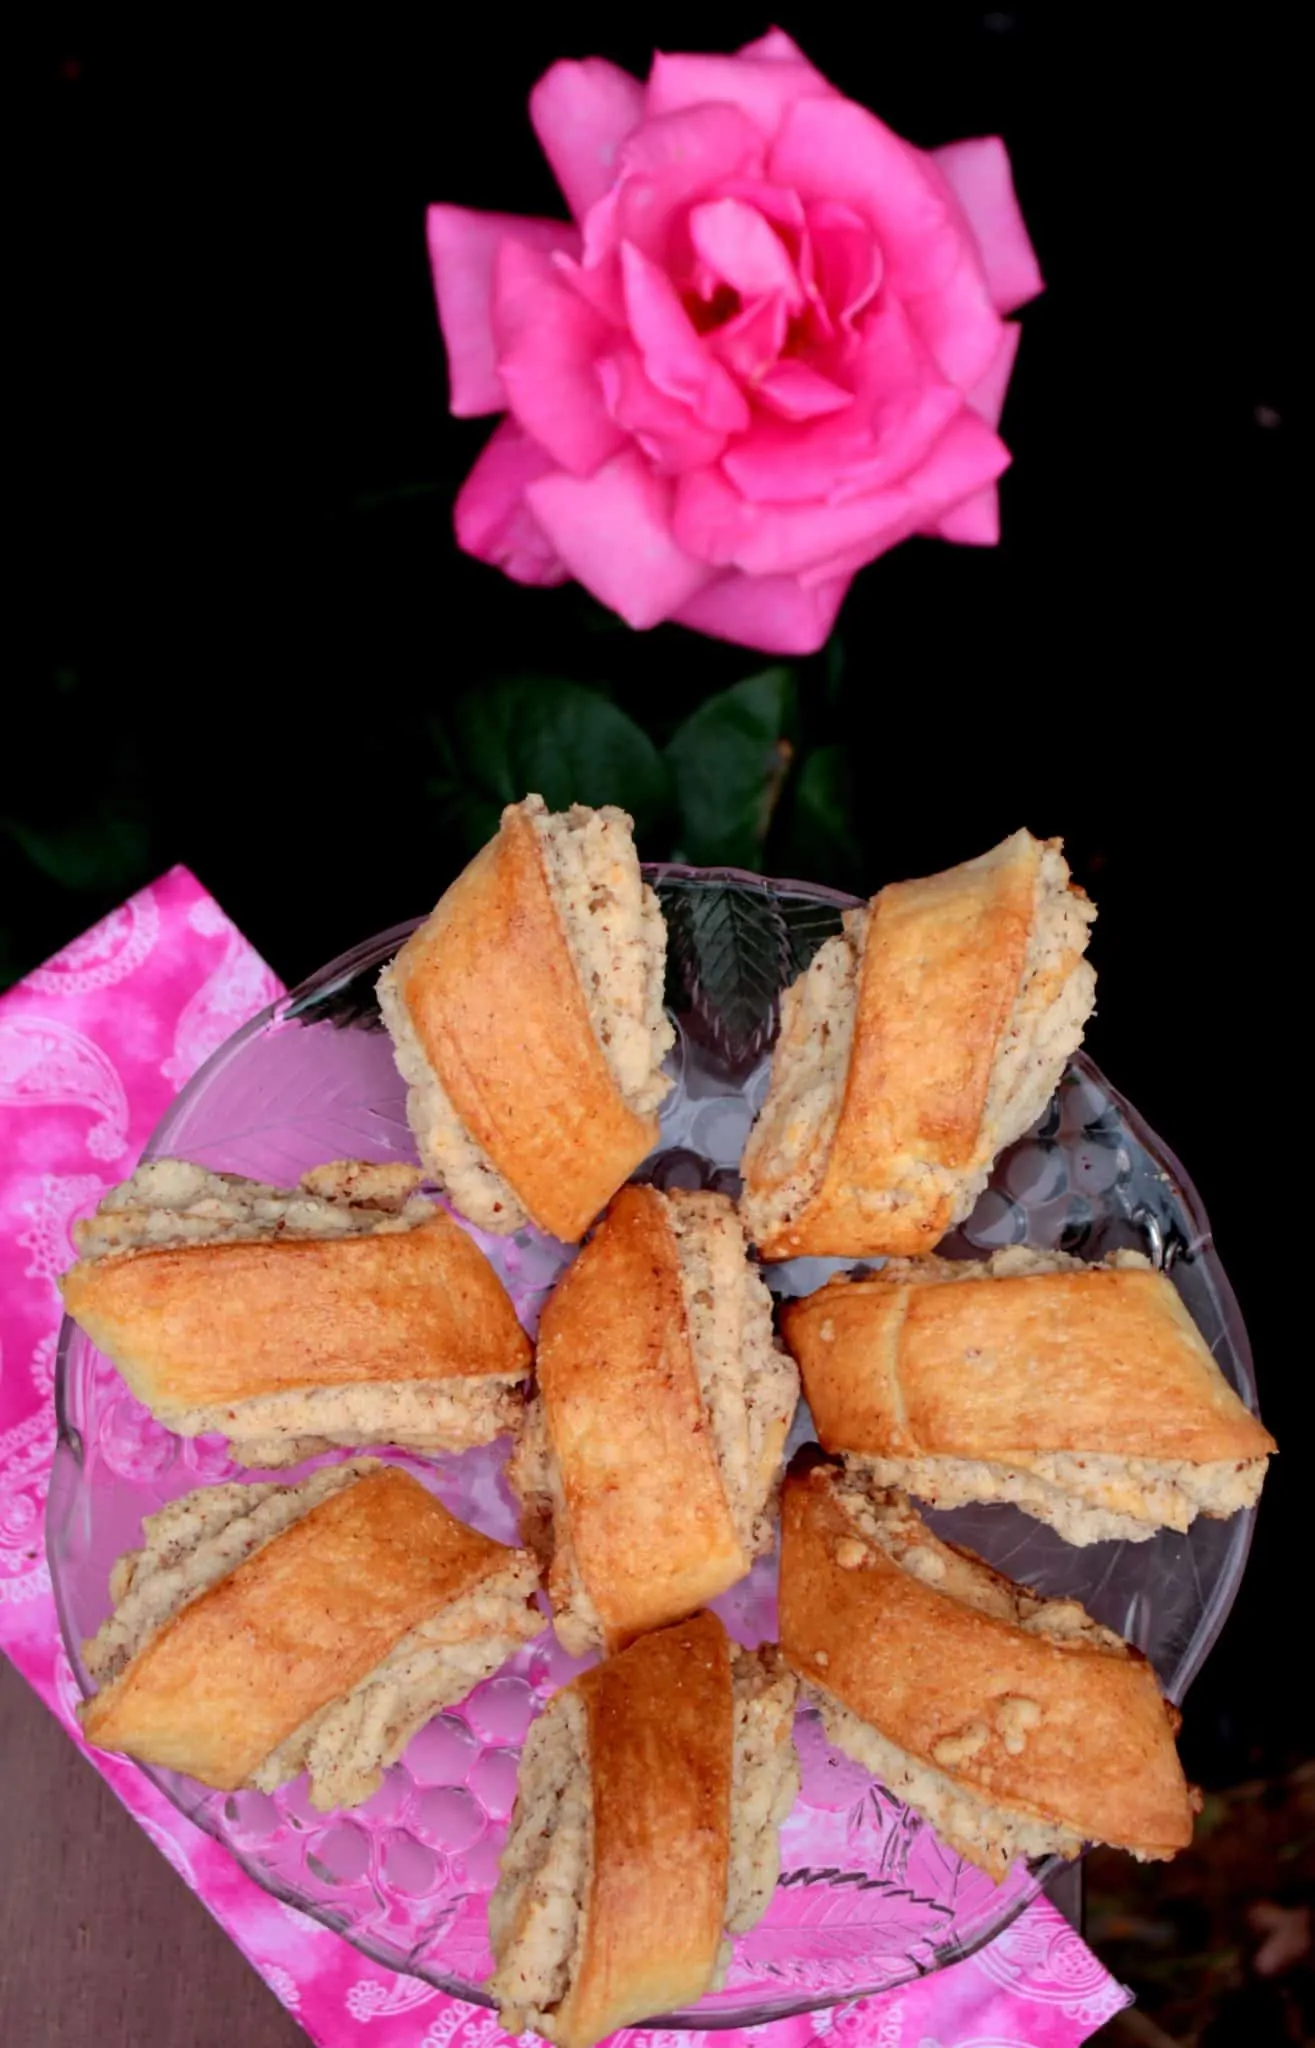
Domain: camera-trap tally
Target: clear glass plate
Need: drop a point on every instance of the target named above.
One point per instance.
(868, 1897)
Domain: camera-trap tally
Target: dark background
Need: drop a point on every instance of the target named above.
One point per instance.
(246, 640)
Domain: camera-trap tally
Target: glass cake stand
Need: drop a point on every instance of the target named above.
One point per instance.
(868, 1897)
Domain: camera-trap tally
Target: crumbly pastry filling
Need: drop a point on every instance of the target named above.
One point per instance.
(617, 940)
(535, 1478)
(272, 1430)
(449, 1152)
(1088, 1497)
(893, 1526)
(1085, 1497)
(200, 1539)
(171, 1202)
(346, 1747)
(791, 1140)
(764, 1780)
(538, 1914)
(1056, 992)
(749, 1386)
(983, 1834)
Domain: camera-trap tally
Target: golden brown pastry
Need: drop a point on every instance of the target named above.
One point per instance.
(1016, 1725)
(1083, 1394)
(652, 1448)
(526, 1017)
(348, 1310)
(646, 1827)
(267, 1630)
(920, 1043)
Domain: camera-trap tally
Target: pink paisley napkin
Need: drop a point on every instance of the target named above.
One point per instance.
(92, 1047)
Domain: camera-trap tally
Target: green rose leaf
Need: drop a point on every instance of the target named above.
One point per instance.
(729, 760)
(823, 844)
(109, 851)
(541, 733)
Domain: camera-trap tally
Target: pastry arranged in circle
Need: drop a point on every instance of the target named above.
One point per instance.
(915, 1047)
(1016, 1725)
(652, 1447)
(268, 1630)
(1083, 1394)
(348, 1310)
(527, 1021)
(650, 1796)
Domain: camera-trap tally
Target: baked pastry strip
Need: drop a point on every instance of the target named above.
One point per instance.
(918, 1045)
(1016, 1725)
(646, 1828)
(652, 1448)
(348, 1310)
(264, 1630)
(526, 1017)
(1084, 1394)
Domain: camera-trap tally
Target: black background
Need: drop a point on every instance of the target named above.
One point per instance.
(240, 609)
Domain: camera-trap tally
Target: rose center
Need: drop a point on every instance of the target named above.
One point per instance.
(709, 314)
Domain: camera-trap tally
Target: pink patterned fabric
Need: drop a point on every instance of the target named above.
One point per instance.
(92, 1047)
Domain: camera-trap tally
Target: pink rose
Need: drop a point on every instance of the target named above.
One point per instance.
(769, 348)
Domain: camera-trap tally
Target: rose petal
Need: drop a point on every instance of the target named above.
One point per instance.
(776, 47)
(666, 165)
(976, 522)
(742, 251)
(750, 343)
(979, 175)
(902, 405)
(713, 523)
(835, 150)
(491, 518)
(548, 344)
(666, 430)
(794, 391)
(847, 263)
(613, 531)
(673, 352)
(764, 87)
(599, 286)
(785, 209)
(582, 113)
(987, 398)
(774, 613)
(462, 248)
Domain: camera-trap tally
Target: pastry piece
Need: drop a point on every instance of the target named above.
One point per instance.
(920, 1042)
(348, 1310)
(1083, 1394)
(1016, 1725)
(268, 1630)
(527, 1021)
(652, 1448)
(646, 1827)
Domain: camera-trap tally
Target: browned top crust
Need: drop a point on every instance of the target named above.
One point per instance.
(496, 1004)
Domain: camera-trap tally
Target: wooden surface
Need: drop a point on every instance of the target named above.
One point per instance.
(101, 1945)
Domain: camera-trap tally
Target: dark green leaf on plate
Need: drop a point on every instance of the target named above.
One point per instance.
(727, 958)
